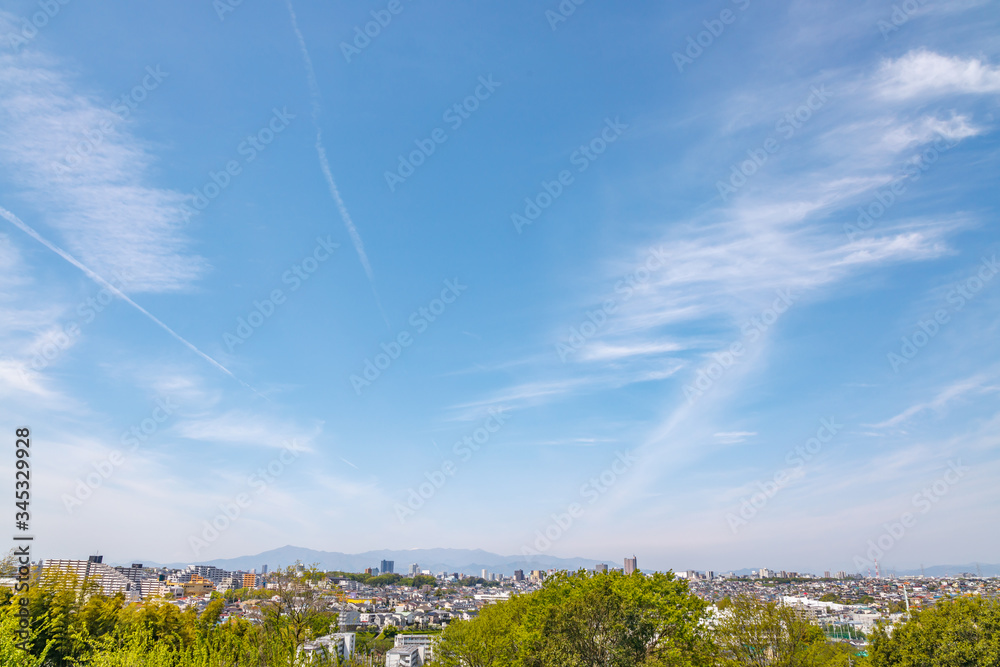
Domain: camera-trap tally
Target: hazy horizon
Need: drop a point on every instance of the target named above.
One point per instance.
(713, 284)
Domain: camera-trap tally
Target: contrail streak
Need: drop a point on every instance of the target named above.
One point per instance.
(324, 164)
(17, 222)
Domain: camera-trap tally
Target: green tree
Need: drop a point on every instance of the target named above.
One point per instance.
(750, 633)
(606, 619)
(959, 633)
(211, 616)
(495, 638)
(385, 579)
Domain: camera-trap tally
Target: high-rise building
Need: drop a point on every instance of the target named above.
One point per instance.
(108, 580)
(387, 566)
(209, 572)
(134, 574)
(601, 567)
(485, 574)
(518, 575)
(414, 569)
(631, 565)
(263, 568)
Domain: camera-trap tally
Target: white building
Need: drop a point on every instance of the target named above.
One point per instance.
(108, 580)
(340, 644)
(423, 643)
(403, 656)
(493, 597)
(348, 617)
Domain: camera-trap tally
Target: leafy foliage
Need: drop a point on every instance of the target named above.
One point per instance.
(958, 633)
(607, 619)
(578, 619)
(72, 625)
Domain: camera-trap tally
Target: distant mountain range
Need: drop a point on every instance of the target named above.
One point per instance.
(468, 561)
(986, 569)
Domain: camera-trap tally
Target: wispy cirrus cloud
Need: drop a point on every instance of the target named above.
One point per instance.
(106, 210)
(734, 437)
(238, 427)
(948, 394)
(899, 137)
(727, 264)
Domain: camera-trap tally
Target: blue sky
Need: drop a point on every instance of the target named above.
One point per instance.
(677, 246)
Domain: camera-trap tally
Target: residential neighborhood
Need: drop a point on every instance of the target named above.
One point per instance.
(381, 617)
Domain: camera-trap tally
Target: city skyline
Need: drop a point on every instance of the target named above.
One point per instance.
(715, 285)
(277, 559)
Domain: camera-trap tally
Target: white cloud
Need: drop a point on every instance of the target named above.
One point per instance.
(734, 437)
(729, 263)
(238, 427)
(945, 396)
(927, 129)
(923, 73)
(17, 379)
(599, 351)
(104, 208)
